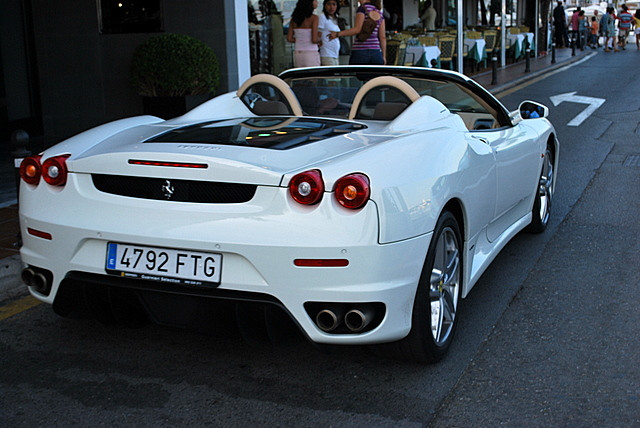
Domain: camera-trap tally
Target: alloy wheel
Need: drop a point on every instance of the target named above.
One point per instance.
(444, 286)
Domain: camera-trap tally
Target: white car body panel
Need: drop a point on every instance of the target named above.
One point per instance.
(418, 163)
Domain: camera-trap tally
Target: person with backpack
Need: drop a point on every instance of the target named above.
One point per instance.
(370, 43)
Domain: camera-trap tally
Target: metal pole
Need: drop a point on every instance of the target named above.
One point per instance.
(460, 38)
(503, 33)
(535, 29)
(494, 68)
(527, 56)
(20, 142)
(553, 52)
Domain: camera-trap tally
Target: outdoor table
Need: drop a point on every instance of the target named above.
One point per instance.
(517, 43)
(422, 55)
(475, 49)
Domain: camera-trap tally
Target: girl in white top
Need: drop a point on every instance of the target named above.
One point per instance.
(328, 22)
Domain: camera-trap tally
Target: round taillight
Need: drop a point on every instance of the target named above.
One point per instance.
(54, 170)
(31, 170)
(352, 191)
(307, 187)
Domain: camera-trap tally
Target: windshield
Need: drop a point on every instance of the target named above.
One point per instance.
(333, 95)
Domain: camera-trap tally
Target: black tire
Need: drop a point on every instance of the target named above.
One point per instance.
(544, 195)
(439, 290)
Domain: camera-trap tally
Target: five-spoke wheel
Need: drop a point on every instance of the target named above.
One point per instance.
(437, 301)
(544, 195)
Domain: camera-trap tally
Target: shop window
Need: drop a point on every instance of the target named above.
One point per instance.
(122, 16)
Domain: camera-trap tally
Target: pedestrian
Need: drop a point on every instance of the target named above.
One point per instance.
(574, 27)
(560, 26)
(624, 25)
(608, 29)
(636, 24)
(303, 32)
(593, 40)
(370, 43)
(428, 18)
(582, 29)
(327, 23)
(599, 33)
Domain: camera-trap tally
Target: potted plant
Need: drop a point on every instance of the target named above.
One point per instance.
(169, 70)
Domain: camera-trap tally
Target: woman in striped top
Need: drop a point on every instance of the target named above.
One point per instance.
(374, 49)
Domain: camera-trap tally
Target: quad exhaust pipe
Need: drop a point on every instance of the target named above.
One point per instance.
(36, 280)
(355, 320)
(328, 320)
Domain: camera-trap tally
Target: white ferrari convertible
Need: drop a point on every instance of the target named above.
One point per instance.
(364, 202)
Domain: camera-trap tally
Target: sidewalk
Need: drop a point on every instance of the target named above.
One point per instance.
(514, 74)
(507, 77)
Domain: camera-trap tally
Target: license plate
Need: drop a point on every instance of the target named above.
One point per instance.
(163, 264)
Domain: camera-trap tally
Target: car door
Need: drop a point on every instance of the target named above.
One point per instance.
(516, 170)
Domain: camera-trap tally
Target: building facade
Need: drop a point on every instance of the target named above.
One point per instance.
(64, 65)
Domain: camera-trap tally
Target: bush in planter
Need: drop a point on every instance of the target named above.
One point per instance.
(173, 65)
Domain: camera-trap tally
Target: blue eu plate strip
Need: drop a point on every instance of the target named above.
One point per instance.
(112, 250)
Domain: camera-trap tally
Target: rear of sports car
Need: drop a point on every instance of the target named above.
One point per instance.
(243, 211)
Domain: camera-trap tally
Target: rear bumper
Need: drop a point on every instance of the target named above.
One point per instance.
(258, 247)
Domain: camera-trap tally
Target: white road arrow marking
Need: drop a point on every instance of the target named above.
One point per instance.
(571, 97)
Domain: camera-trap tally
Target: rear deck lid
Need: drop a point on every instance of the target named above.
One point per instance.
(256, 150)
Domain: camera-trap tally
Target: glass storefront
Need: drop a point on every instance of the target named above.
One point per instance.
(419, 32)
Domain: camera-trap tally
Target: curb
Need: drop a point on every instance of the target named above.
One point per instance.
(515, 82)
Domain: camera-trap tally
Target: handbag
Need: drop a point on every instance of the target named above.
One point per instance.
(345, 49)
(367, 28)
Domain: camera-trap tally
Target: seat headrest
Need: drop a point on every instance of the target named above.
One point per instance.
(266, 108)
(388, 111)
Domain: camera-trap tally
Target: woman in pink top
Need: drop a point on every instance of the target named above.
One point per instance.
(374, 49)
(303, 31)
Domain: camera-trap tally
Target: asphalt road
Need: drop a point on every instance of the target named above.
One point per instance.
(565, 351)
(547, 337)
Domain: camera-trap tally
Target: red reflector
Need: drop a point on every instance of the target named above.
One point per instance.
(173, 164)
(39, 234)
(321, 262)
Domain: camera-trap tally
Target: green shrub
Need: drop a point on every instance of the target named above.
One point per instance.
(174, 65)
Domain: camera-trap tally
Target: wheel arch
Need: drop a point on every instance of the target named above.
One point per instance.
(455, 207)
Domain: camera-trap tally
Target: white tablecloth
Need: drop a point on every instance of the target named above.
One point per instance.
(475, 48)
(414, 54)
(518, 41)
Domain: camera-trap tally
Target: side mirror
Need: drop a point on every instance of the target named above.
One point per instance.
(532, 110)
